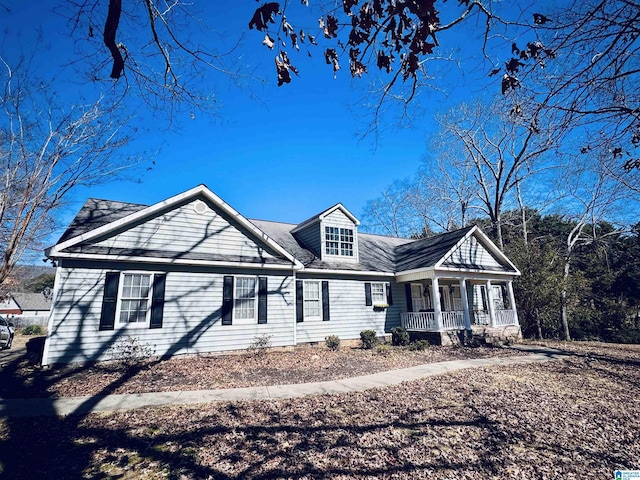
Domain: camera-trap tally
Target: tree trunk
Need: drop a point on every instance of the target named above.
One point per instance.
(564, 296)
(538, 324)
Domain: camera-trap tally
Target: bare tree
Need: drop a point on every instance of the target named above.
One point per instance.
(584, 64)
(159, 50)
(588, 195)
(495, 147)
(46, 152)
(393, 213)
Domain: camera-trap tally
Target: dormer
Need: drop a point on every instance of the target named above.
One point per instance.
(332, 235)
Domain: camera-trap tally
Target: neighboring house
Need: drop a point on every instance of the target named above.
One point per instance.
(25, 305)
(192, 275)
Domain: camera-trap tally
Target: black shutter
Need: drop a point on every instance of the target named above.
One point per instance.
(389, 294)
(299, 302)
(367, 294)
(227, 300)
(407, 291)
(325, 301)
(262, 299)
(109, 301)
(157, 302)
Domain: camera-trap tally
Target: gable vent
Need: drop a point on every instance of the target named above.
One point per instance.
(200, 207)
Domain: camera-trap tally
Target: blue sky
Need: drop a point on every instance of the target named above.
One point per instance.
(278, 153)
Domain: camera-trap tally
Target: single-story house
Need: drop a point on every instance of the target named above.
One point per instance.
(24, 308)
(192, 275)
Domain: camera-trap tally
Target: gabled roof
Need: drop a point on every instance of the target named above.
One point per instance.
(97, 213)
(427, 252)
(320, 216)
(377, 254)
(93, 225)
(376, 251)
(31, 301)
(431, 253)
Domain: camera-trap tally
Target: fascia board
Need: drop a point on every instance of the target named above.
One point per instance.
(173, 261)
(486, 242)
(346, 272)
(343, 209)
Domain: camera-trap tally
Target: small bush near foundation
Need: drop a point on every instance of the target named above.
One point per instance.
(33, 330)
(384, 349)
(130, 351)
(368, 338)
(399, 336)
(419, 345)
(332, 342)
(260, 344)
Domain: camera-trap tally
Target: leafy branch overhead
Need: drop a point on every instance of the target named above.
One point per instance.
(394, 36)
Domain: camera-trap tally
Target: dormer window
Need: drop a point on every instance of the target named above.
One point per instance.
(338, 241)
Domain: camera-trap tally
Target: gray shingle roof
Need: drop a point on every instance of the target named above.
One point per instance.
(377, 253)
(426, 252)
(96, 213)
(32, 301)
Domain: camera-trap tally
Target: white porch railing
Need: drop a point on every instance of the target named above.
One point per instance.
(426, 321)
(419, 321)
(480, 317)
(453, 320)
(505, 317)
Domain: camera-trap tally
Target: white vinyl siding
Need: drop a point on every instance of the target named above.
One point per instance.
(472, 253)
(244, 298)
(312, 300)
(311, 237)
(192, 314)
(184, 230)
(350, 315)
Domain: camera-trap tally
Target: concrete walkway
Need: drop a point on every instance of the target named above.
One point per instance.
(107, 403)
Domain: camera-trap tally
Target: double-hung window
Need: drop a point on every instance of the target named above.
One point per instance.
(245, 298)
(132, 299)
(135, 298)
(346, 242)
(332, 240)
(378, 293)
(312, 300)
(338, 241)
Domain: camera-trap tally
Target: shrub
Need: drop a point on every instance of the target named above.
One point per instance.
(333, 342)
(368, 338)
(384, 349)
(419, 345)
(399, 336)
(130, 351)
(33, 330)
(260, 344)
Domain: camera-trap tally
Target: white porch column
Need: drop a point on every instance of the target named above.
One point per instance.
(465, 303)
(512, 301)
(435, 291)
(492, 312)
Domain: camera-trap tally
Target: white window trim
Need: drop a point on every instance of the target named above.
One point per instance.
(354, 243)
(304, 299)
(240, 321)
(382, 302)
(134, 325)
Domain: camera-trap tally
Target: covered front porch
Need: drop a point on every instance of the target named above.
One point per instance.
(443, 304)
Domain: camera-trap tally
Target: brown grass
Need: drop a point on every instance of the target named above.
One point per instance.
(568, 419)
